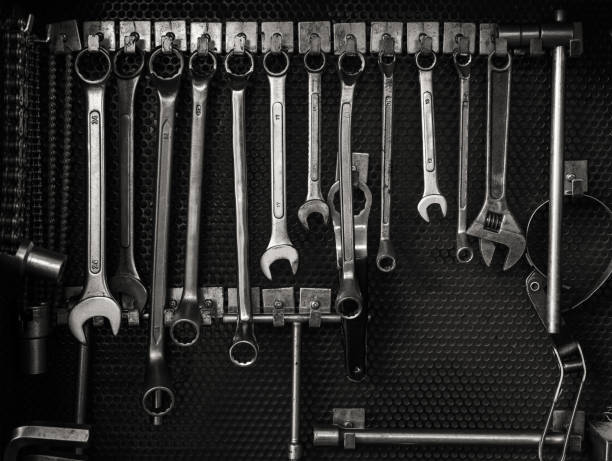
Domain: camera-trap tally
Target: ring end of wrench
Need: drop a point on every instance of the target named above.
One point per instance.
(87, 309)
(158, 397)
(349, 303)
(385, 259)
(464, 253)
(275, 253)
(428, 200)
(243, 351)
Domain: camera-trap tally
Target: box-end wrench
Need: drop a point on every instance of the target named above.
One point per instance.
(495, 224)
(314, 62)
(385, 259)
(431, 192)
(280, 246)
(463, 65)
(349, 299)
(187, 320)
(158, 396)
(126, 284)
(244, 349)
(96, 299)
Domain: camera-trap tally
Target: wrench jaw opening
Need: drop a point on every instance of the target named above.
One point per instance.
(277, 252)
(244, 350)
(429, 200)
(312, 207)
(130, 290)
(87, 309)
(385, 259)
(158, 397)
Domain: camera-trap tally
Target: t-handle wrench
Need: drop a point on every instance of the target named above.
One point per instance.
(126, 283)
(431, 192)
(96, 299)
(187, 320)
(349, 302)
(244, 349)
(314, 198)
(158, 397)
(280, 246)
(385, 259)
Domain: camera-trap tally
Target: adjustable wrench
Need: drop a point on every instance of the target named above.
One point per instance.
(126, 283)
(280, 246)
(95, 299)
(463, 64)
(431, 193)
(187, 317)
(243, 350)
(495, 223)
(385, 259)
(158, 397)
(314, 198)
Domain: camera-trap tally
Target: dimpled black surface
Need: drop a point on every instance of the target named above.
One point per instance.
(450, 346)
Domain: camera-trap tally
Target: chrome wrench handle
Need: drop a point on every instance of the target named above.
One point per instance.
(385, 259)
(158, 398)
(431, 192)
(463, 64)
(349, 303)
(96, 299)
(244, 349)
(187, 317)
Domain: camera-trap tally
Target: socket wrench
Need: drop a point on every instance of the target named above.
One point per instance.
(187, 319)
(96, 299)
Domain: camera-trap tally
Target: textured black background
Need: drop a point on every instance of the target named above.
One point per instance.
(451, 346)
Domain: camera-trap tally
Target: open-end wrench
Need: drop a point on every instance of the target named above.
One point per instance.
(463, 64)
(96, 299)
(187, 318)
(126, 284)
(158, 396)
(244, 349)
(314, 198)
(495, 224)
(385, 259)
(431, 192)
(349, 299)
(280, 246)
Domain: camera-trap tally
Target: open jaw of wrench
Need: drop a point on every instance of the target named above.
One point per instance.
(166, 67)
(187, 319)
(426, 60)
(463, 65)
(93, 66)
(280, 246)
(314, 62)
(126, 284)
(495, 224)
(385, 259)
(244, 349)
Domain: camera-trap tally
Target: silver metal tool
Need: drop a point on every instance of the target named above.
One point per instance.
(158, 396)
(314, 62)
(187, 319)
(45, 435)
(126, 284)
(495, 224)
(244, 349)
(280, 246)
(96, 299)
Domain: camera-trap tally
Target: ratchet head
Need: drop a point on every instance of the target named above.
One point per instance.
(429, 200)
(276, 253)
(186, 323)
(131, 286)
(87, 309)
(244, 349)
(313, 207)
(385, 259)
(349, 303)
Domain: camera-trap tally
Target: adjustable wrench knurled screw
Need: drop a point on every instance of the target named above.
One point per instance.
(96, 299)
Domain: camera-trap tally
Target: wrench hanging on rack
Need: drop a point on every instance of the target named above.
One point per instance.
(276, 64)
(93, 66)
(244, 349)
(187, 319)
(158, 397)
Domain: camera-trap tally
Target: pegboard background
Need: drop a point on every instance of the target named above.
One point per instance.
(450, 346)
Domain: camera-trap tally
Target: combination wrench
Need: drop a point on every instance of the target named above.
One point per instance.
(244, 349)
(187, 319)
(96, 299)
(385, 259)
(495, 224)
(463, 65)
(126, 283)
(431, 192)
(349, 302)
(314, 198)
(158, 396)
(280, 246)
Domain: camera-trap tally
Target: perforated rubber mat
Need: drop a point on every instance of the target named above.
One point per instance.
(450, 345)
